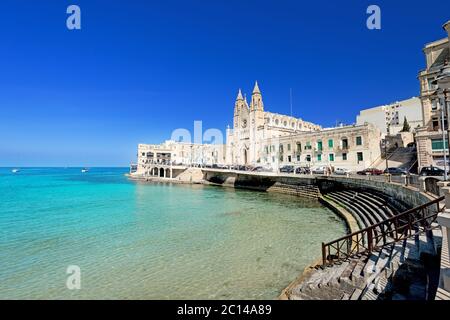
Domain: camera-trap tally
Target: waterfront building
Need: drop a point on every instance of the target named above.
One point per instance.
(390, 118)
(173, 154)
(352, 147)
(262, 138)
(431, 143)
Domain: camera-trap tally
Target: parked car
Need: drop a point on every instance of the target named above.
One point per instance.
(431, 171)
(258, 169)
(370, 171)
(302, 170)
(287, 169)
(262, 169)
(319, 170)
(396, 171)
(341, 171)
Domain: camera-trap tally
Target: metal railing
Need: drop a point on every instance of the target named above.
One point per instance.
(378, 235)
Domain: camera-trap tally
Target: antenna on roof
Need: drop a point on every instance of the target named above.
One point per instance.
(290, 99)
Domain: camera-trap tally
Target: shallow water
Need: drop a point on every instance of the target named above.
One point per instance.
(151, 241)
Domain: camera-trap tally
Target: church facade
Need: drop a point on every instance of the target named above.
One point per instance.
(252, 125)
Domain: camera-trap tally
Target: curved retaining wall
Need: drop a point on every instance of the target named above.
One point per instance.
(400, 195)
(304, 187)
(311, 186)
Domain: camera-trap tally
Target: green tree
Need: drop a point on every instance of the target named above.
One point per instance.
(406, 127)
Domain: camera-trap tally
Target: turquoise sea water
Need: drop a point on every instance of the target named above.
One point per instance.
(151, 241)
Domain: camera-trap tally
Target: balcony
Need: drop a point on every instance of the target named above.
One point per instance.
(343, 148)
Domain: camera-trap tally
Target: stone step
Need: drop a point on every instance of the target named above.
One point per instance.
(334, 274)
(361, 222)
(370, 214)
(426, 246)
(354, 210)
(436, 234)
(357, 277)
(383, 215)
(370, 265)
(378, 270)
(383, 285)
(412, 249)
(345, 296)
(356, 294)
(396, 255)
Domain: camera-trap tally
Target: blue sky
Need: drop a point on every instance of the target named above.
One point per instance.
(139, 69)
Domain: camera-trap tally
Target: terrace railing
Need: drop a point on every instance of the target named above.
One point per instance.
(386, 232)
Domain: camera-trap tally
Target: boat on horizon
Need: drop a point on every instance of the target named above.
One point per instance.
(84, 170)
(15, 170)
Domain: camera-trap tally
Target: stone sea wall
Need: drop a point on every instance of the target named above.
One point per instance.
(312, 186)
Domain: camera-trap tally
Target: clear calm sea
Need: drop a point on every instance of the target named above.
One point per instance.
(151, 241)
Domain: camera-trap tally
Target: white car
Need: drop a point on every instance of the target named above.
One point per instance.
(341, 171)
(319, 170)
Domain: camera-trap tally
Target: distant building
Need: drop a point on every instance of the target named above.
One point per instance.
(178, 153)
(430, 143)
(390, 118)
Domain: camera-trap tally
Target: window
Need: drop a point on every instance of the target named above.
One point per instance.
(273, 159)
(308, 146)
(319, 157)
(345, 143)
(281, 148)
(299, 147)
(319, 145)
(360, 156)
(308, 158)
(289, 159)
(431, 86)
(331, 157)
(330, 143)
(289, 147)
(436, 144)
(434, 105)
(359, 141)
(344, 156)
(298, 157)
(435, 123)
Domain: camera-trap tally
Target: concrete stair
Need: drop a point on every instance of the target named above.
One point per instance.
(368, 209)
(397, 271)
